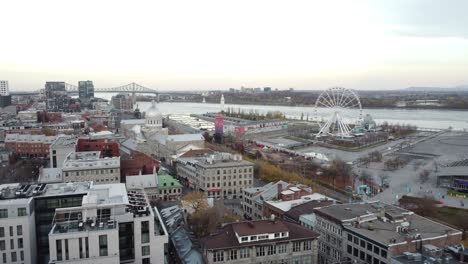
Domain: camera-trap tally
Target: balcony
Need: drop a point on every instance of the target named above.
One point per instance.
(83, 226)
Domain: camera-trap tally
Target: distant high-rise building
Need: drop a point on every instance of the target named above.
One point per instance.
(4, 90)
(122, 102)
(5, 97)
(85, 89)
(57, 98)
(222, 103)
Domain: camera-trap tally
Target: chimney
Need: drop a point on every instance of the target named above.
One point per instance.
(280, 189)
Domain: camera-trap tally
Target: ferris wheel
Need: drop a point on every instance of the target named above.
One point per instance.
(339, 100)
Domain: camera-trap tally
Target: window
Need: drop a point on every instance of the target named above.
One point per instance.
(13, 257)
(20, 243)
(146, 261)
(21, 211)
(218, 256)
(307, 245)
(4, 258)
(12, 244)
(350, 249)
(86, 247)
(66, 249)
(362, 256)
(2, 245)
(3, 213)
(296, 246)
(244, 253)
(271, 250)
(277, 235)
(383, 253)
(22, 255)
(369, 246)
(363, 243)
(145, 232)
(350, 237)
(356, 240)
(260, 251)
(11, 231)
(19, 230)
(103, 245)
(80, 246)
(253, 238)
(244, 239)
(376, 250)
(145, 250)
(262, 237)
(58, 245)
(281, 248)
(2, 232)
(233, 254)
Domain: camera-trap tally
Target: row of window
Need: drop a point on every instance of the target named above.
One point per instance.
(260, 251)
(89, 172)
(218, 184)
(367, 257)
(367, 245)
(245, 170)
(224, 177)
(13, 257)
(329, 226)
(12, 244)
(19, 231)
(21, 212)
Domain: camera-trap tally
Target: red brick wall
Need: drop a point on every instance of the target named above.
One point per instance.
(107, 148)
(135, 163)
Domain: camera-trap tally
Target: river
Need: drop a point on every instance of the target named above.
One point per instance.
(425, 118)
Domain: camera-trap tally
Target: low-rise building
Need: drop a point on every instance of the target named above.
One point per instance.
(220, 175)
(263, 241)
(157, 186)
(254, 197)
(90, 166)
(30, 146)
(281, 206)
(375, 233)
(60, 149)
(108, 148)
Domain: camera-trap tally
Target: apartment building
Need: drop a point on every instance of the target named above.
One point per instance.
(60, 149)
(263, 241)
(220, 175)
(376, 233)
(90, 166)
(79, 223)
(4, 89)
(30, 146)
(17, 228)
(112, 225)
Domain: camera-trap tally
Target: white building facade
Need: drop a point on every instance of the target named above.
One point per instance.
(4, 89)
(89, 166)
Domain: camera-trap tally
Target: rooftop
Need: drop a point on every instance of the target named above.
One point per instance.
(219, 159)
(385, 224)
(160, 180)
(285, 206)
(89, 159)
(17, 190)
(132, 122)
(64, 141)
(225, 237)
(306, 208)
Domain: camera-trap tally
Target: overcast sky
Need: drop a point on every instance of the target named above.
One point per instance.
(200, 44)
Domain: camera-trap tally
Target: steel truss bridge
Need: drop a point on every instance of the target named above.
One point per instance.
(131, 88)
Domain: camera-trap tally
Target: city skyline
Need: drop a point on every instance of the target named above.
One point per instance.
(205, 45)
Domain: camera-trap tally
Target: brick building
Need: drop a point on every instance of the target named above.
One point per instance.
(30, 146)
(135, 163)
(108, 148)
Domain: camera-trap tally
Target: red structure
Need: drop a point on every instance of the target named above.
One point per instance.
(219, 124)
(135, 163)
(107, 147)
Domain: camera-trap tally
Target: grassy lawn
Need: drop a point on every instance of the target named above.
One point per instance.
(453, 216)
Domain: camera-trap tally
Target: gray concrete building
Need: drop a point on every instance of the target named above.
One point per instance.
(375, 233)
(220, 175)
